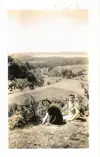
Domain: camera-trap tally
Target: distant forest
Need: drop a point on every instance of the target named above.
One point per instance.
(51, 61)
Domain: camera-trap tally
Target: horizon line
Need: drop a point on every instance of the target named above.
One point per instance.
(51, 53)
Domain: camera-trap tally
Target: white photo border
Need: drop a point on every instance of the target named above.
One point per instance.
(94, 77)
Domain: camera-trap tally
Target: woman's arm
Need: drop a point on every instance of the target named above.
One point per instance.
(75, 116)
(45, 118)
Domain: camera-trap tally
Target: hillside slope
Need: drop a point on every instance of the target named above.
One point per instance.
(56, 90)
(71, 135)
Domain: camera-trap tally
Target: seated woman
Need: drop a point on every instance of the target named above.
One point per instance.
(73, 109)
(53, 115)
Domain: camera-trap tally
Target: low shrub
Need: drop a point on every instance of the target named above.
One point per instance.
(22, 83)
(16, 121)
(31, 85)
(12, 109)
(74, 75)
(12, 85)
(79, 73)
(20, 115)
(58, 80)
(86, 92)
(48, 83)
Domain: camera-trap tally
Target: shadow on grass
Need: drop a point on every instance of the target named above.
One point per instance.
(81, 119)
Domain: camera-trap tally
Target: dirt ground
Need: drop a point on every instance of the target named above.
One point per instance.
(70, 135)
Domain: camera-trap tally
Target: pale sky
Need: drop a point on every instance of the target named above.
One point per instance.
(48, 31)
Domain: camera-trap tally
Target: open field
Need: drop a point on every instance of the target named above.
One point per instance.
(56, 90)
(76, 68)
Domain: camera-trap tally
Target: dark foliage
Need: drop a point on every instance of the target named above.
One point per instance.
(23, 70)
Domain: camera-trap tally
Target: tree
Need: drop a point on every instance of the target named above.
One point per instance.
(20, 70)
(64, 72)
(10, 59)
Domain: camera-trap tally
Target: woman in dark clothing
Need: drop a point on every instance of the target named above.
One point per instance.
(53, 114)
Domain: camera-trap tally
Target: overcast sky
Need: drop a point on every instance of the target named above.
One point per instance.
(48, 31)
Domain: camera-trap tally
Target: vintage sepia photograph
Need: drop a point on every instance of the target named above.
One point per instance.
(48, 87)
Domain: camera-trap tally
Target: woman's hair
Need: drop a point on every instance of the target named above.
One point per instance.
(48, 102)
(72, 95)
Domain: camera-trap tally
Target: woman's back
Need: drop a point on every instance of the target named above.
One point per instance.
(55, 115)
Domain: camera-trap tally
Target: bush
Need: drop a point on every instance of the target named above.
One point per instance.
(86, 90)
(22, 83)
(57, 80)
(67, 73)
(20, 115)
(68, 76)
(79, 73)
(29, 108)
(16, 121)
(31, 85)
(80, 101)
(74, 75)
(48, 83)
(64, 72)
(12, 85)
(84, 101)
(12, 109)
(39, 78)
(55, 72)
(40, 81)
(18, 84)
(86, 96)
